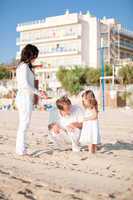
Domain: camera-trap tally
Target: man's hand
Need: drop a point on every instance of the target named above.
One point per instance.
(70, 127)
(56, 129)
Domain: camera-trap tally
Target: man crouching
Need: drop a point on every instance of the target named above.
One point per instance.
(65, 123)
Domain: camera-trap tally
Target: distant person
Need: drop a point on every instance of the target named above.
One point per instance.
(24, 99)
(13, 104)
(90, 132)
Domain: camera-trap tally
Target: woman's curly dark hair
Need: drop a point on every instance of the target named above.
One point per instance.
(29, 52)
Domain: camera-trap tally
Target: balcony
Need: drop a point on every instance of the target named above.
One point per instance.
(48, 39)
(59, 53)
(54, 52)
(124, 45)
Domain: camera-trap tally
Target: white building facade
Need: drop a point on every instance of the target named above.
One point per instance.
(72, 39)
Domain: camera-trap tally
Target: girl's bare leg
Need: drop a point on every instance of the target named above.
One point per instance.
(92, 148)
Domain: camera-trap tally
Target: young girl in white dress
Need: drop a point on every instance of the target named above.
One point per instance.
(90, 132)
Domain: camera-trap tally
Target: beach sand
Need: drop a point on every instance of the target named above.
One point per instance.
(63, 175)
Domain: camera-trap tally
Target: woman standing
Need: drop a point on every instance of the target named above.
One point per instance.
(26, 90)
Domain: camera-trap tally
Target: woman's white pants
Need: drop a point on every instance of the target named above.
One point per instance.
(25, 105)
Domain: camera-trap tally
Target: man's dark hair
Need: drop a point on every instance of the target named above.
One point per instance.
(62, 101)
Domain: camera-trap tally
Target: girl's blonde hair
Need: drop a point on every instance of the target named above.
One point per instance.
(90, 97)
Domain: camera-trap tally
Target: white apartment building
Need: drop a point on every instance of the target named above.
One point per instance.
(73, 39)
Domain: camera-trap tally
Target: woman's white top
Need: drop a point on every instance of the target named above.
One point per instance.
(25, 80)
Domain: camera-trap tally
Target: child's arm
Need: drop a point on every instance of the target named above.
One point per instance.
(93, 116)
(75, 125)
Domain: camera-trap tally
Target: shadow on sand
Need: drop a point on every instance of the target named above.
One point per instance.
(119, 145)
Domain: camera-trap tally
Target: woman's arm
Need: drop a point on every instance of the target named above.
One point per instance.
(29, 86)
(25, 80)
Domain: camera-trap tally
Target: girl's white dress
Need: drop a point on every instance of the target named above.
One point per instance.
(90, 131)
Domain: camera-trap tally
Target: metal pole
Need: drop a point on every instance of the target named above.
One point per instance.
(113, 81)
(102, 73)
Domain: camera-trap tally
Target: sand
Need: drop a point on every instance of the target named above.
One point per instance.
(63, 175)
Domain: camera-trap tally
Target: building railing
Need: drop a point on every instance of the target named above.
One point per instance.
(57, 50)
(54, 52)
(123, 32)
(48, 38)
(124, 44)
(32, 22)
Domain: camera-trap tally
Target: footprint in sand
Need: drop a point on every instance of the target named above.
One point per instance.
(2, 196)
(20, 179)
(84, 158)
(27, 193)
(108, 167)
(54, 190)
(112, 196)
(74, 164)
(4, 172)
(75, 197)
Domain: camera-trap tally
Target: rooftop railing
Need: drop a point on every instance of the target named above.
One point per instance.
(32, 22)
(123, 31)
